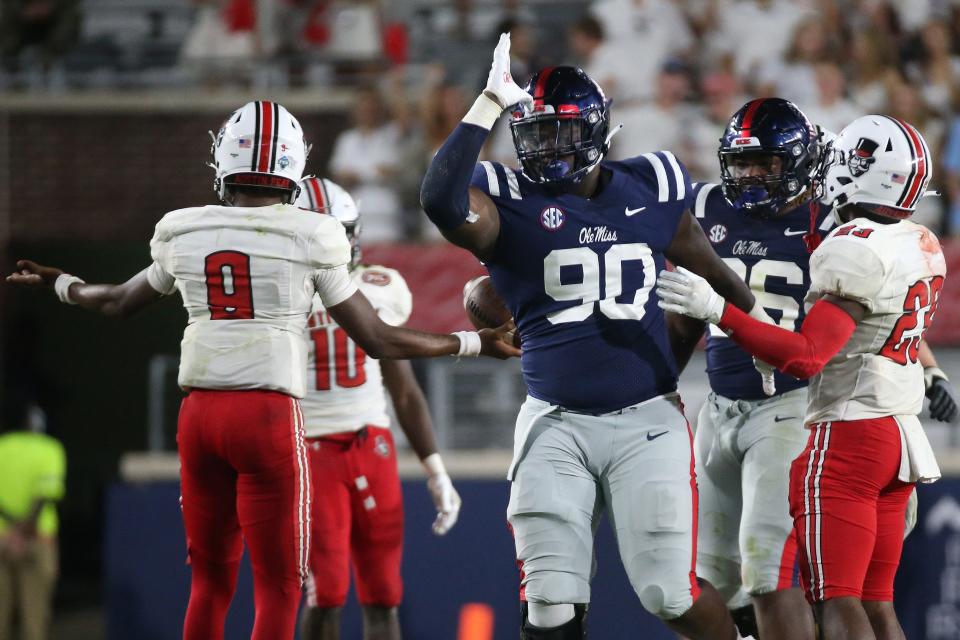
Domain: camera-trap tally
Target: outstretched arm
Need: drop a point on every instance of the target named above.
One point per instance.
(827, 327)
(381, 340)
(465, 215)
(109, 299)
(691, 249)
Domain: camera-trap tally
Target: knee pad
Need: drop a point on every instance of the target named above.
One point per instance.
(574, 629)
(665, 604)
(746, 620)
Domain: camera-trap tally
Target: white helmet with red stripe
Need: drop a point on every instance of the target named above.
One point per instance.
(879, 163)
(326, 196)
(260, 145)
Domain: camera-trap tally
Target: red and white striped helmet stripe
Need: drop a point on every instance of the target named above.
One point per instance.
(265, 134)
(919, 154)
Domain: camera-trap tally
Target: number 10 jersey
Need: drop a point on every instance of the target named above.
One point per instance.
(344, 385)
(247, 276)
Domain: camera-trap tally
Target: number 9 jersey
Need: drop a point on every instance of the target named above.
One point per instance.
(577, 275)
(896, 271)
(247, 276)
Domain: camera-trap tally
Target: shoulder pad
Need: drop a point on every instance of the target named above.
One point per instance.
(667, 173)
(702, 191)
(496, 180)
(329, 244)
(387, 291)
(848, 267)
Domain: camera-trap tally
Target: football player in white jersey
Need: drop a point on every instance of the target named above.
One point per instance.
(247, 271)
(875, 285)
(357, 502)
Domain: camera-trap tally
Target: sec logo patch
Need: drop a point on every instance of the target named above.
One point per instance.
(718, 233)
(552, 218)
(378, 278)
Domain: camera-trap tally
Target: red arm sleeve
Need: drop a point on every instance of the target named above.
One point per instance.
(825, 330)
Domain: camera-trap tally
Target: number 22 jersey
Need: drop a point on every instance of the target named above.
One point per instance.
(578, 275)
(896, 271)
(247, 276)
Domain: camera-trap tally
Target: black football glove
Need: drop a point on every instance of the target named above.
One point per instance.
(944, 402)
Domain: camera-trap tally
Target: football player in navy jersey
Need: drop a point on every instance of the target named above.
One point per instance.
(573, 243)
(762, 222)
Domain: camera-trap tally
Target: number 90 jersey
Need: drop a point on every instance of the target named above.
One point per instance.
(896, 271)
(771, 257)
(344, 386)
(247, 276)
(578, 274)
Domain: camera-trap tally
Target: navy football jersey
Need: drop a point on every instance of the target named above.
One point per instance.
(578, 276)
(771, 257)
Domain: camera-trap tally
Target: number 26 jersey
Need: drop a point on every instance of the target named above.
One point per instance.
(247, 276)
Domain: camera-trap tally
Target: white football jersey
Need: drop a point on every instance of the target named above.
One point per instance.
(247, 277)
(344, 386)
(896, 271)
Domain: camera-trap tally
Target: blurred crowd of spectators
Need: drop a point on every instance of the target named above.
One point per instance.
(675, 69)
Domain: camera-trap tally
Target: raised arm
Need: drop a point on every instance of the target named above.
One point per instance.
(691, 249)
(108, 299)
(466, 216)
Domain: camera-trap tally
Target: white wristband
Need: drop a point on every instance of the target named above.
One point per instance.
(433, 463)
(62, 287)
(483, 113)
(469, 343)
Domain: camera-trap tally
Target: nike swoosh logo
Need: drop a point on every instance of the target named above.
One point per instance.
(654, 436)
(782, 418)
(631, 212)
(790, 232)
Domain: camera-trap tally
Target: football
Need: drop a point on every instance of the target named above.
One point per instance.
(484, 306)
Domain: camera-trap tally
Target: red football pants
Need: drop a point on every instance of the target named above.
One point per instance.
(244, 476)
(358, 517)
(848, 509)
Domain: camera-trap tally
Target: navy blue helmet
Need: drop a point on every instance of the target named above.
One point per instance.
(771, 127)
(564, 133)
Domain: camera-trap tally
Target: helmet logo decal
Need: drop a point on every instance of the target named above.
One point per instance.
(861, 157)
(718, 233)
(284, 162)
(552, 218)
(243, 143)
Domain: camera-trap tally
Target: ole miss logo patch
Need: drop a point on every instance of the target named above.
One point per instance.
(552, 218)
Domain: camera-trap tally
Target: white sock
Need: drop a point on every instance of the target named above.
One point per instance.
(548, 616)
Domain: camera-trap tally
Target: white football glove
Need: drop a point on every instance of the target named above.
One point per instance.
(682, 291)
(446, 500)
(500, 83)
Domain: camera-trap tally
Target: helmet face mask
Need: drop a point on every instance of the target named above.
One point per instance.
(878, 163)
(564, 134)
(775, 131)
(260, 146)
